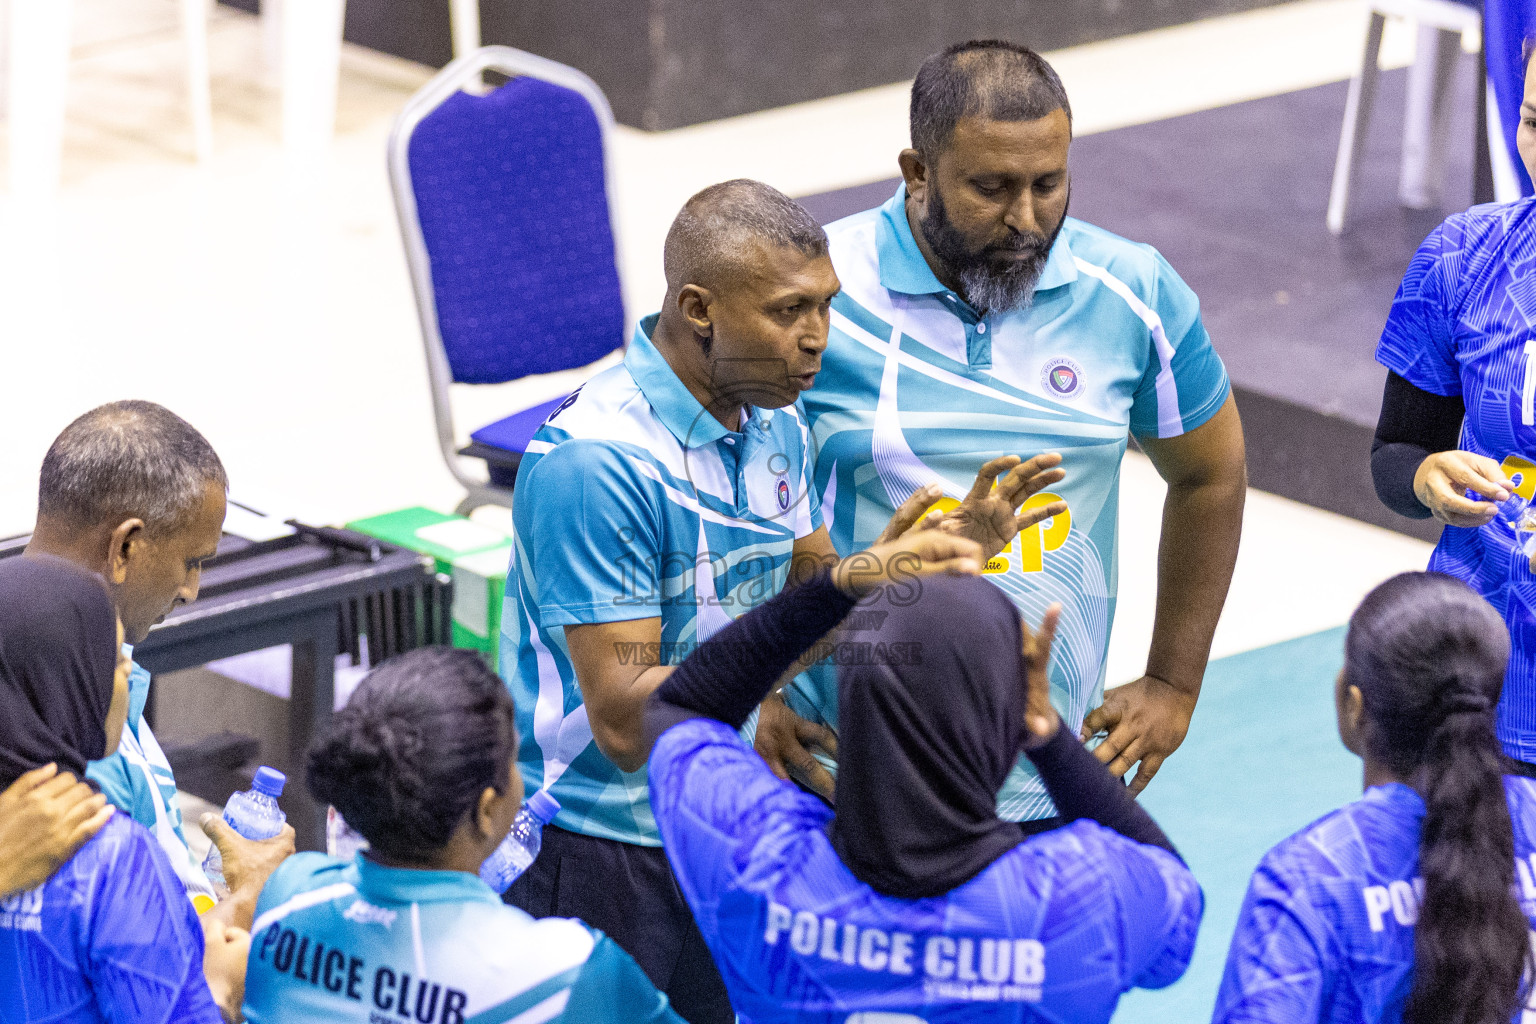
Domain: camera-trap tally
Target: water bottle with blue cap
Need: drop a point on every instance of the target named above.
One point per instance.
(522, 844)
(254, 814)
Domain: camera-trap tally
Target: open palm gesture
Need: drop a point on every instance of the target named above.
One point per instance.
(990, 514)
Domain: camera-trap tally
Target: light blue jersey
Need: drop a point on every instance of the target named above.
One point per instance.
(1325, 935)
(137, 779)
(1463, 324)
(915, 388)
(110, 937)
(633, 502)
(1055, 930)
(338, 941)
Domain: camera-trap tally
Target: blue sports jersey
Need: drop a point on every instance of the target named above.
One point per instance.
(633, 502)
(1325, 935)
(355, 941)
(1055, 930)
(1464, 323)
(916, 388)
(110, 937)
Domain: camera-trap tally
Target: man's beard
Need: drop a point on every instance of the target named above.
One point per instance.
(991, 278)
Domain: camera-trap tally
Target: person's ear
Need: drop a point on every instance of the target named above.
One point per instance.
(485, 812)
(693, 301)
(126, 544)
(914, 171)
(1350, 706)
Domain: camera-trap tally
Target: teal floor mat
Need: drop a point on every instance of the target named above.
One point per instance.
(1262, 759)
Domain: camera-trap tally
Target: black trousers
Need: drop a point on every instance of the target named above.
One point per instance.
(628, 892)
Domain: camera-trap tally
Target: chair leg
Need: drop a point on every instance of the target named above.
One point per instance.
(1426, 123)
(38, 40)
(272, 36)
(311, 41)
(194, 26)
(1357, 117)
(465, 16)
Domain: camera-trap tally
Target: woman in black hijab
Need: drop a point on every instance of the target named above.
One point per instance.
(112, 935)
(913, 897)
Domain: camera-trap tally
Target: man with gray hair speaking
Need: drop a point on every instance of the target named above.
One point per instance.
(665, 498)
(977, 319)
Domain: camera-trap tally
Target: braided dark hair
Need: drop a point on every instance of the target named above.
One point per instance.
(408, 757)
(1429, 656)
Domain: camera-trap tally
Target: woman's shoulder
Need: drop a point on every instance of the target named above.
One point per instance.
(1484, 227)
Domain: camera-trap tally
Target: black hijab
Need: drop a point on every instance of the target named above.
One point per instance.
(58, 651)
(924, 746)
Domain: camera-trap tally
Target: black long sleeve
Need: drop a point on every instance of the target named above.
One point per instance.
(730, 673)
(1414, 425)
(1081, 787)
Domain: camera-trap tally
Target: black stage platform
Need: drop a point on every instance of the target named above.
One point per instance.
(1235, 198)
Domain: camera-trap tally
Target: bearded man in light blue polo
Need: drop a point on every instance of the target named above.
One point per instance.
(976, 319)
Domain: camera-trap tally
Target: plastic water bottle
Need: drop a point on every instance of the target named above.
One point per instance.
(342, 841)
(521, 846)
(1514, 510)
(254, 814)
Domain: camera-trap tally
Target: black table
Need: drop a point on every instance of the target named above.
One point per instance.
(322, 597)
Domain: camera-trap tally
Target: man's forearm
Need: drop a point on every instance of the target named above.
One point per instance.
(1202, 524)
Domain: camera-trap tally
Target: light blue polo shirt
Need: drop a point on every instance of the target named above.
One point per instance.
(137, 778)
(633, 502)
(916, 388)
(354, 941)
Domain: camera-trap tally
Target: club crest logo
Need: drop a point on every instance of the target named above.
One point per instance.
(1061, 378)
(783, 492)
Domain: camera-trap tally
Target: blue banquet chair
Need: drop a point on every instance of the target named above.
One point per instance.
(502, 196)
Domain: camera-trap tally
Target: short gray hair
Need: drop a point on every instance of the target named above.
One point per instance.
(127, 460)
(710, 240)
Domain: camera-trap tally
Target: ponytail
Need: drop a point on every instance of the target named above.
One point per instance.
(1471, 944)
(1429, 656)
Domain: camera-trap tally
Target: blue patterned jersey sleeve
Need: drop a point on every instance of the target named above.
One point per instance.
(595, 542)
(1277, 965)
(144, 944)
(1418, 342)
(1186, 382)
(1160, 906)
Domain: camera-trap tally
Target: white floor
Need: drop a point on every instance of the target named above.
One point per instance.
(276, 314)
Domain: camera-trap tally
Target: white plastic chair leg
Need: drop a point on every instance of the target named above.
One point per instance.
(1426, 123)
(465, 18)
(1357, 117)
(194, 24)
(38, 40)
(311, 48)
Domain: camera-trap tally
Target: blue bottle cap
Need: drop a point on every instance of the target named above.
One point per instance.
(269, 781)
(543, 805)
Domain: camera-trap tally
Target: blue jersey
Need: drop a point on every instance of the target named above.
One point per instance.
(354, 941)
(917, 388)
(1054, 930)
(1325, 935)
(1464, 324)
(633, 502)
(110, 937)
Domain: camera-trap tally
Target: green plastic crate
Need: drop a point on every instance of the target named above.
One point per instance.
(475, 556)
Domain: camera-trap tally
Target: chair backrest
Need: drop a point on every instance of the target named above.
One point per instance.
(504, 205)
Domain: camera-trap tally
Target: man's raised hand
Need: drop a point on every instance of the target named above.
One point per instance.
(990, 513)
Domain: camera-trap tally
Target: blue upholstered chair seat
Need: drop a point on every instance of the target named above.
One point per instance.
(513, 433)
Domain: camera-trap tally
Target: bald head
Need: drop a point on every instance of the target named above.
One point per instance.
(988, 78)
(718, 234)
